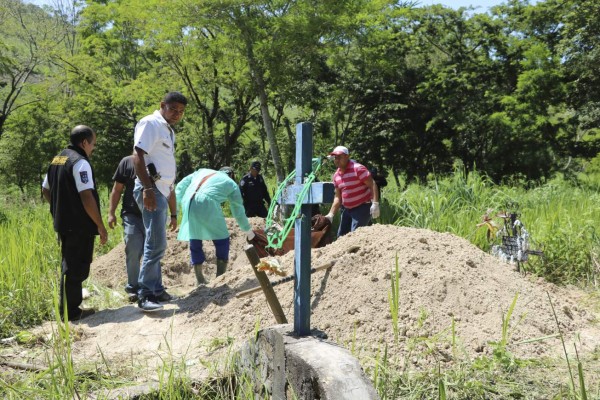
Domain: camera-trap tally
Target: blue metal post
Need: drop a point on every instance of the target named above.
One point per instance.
(304, 150)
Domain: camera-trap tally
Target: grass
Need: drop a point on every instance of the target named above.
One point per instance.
(394, 299)
(561, 219)
(500, 349)
(30, 263)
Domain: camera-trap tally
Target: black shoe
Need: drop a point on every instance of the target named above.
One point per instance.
(149, 304)
(165, 297)
(132, 295)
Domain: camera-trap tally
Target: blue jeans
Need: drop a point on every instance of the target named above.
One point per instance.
(197, 254)
(352, 218)
(134, 234)
(155, 244)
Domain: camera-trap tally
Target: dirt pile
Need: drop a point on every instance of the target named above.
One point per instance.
(443, 279)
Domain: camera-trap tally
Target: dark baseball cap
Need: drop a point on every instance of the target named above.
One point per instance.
(255, 165)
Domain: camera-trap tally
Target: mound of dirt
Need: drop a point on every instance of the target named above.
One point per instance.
(450, 292)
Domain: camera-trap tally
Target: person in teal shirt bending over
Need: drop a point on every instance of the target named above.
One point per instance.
(201, 195)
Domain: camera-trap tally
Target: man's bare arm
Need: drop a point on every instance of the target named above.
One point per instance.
(337, 202)
(91, 208)
(46, 194)
(115, 196)
(140, 170)
(370, 183)
(173, 210)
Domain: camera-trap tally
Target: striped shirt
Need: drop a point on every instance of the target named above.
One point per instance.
(351, 183)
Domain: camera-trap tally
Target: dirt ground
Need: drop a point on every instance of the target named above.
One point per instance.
(443, 279)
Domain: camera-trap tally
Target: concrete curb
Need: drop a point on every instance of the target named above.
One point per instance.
(283, 366)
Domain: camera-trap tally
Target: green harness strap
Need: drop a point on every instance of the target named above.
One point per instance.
(275, 235)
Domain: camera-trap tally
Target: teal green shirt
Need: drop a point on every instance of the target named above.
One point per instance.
(203, 217)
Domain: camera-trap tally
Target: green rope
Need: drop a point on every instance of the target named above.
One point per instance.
(280, 189)
(275, 236)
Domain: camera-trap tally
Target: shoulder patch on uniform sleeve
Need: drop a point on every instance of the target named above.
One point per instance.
(59, 160)
(83, 175)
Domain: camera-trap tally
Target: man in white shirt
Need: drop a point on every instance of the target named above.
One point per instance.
(154, 161)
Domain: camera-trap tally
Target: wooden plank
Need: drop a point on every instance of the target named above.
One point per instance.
(283, 280)
(266, 285)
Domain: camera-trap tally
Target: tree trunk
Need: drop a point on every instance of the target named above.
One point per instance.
(257, 77)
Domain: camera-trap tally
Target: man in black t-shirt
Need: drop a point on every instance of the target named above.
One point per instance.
(133, 226)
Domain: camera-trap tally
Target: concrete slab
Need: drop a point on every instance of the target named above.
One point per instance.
(283, 366)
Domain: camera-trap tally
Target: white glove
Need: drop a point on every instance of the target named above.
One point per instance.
(375, 209)
(249, 235)
(329, 217)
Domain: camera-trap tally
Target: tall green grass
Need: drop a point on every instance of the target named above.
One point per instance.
(394, 299)
(560, 217)
(30, 264)
(29, 267)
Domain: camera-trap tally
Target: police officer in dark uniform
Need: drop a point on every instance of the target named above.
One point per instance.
(70, 189)
(379, 180)
(255, 192)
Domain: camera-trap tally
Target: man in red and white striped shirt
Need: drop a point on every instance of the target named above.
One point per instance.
(355, 191)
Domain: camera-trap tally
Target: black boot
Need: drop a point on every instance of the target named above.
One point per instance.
(200, 280)
(221, 267)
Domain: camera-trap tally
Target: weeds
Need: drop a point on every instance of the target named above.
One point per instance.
(394, 299)
(501, 353)
(582, 390)
(561, 218)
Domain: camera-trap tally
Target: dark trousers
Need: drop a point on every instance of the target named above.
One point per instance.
(77, 251)
(256, 210)
(353, 218)
(197, 253)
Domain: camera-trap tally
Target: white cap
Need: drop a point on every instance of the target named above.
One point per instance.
(339, 150)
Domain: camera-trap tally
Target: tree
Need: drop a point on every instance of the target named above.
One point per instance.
(112, 79)
(580, 56)
(282, 43)
(216, 80)
(29, 145)
(26, 35)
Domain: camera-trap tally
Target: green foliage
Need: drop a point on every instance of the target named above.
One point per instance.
(30, 263)
(28, 146)
(561, 218)
(29, 267)
(411, 89)
(394, 298)
(27, 36)
(501, 353)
